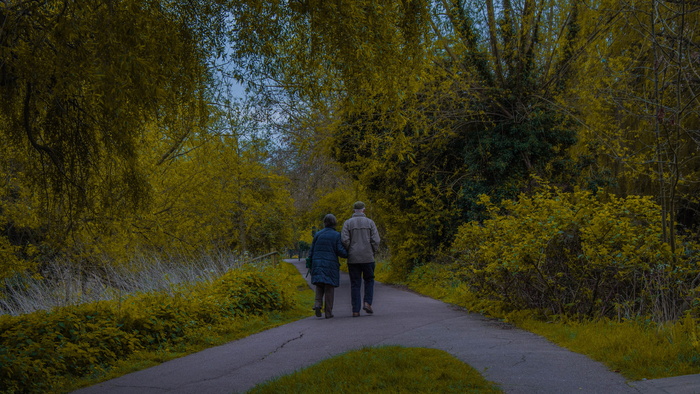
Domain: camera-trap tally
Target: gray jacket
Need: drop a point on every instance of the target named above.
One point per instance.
(361, 239)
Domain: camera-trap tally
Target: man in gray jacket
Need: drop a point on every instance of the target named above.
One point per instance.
(361, 239)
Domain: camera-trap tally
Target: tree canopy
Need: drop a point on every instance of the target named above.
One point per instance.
(117, 133)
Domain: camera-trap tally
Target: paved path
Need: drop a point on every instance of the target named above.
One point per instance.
(518, 361)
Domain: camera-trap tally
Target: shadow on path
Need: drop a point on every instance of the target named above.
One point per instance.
(518, 361)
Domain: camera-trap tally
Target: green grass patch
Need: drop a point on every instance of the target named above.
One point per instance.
(384, 369)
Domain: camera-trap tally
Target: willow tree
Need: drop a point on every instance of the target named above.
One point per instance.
(80, 81)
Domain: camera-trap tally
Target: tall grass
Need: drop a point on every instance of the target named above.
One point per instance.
(64, 283)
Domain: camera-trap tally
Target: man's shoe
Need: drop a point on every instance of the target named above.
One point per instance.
(355, 314)
(368, 308)
(329, 316)
(318, 311)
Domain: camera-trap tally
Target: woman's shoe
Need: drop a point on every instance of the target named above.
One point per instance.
(355, 314)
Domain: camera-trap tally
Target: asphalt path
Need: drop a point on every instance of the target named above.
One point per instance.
(516, 360)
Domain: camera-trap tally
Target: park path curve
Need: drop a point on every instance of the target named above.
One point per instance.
(517, 360)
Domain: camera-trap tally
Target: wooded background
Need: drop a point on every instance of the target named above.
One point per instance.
(120, 136)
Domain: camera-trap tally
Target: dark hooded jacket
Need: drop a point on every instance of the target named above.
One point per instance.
(325, 249)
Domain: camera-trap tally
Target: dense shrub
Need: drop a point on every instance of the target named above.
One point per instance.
(37, 350)
(245, 292)
(577, 254)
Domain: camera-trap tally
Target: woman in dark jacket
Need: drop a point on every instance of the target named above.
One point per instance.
(325, 268)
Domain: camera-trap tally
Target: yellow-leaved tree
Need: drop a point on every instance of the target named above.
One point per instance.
(110, 142)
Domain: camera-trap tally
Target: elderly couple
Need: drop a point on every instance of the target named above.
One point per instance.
(358, 241)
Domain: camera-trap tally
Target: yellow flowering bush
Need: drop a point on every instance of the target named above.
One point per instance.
(246, 292)
(40, 349)
(37, 349)
(577, 254)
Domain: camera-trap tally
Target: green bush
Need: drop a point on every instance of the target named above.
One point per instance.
(40, 349)
(37, 349)
(245, 292)
(577, 254)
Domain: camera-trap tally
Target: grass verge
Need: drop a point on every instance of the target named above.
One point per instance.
(215, 337)
(637, 349)
(77, 346)
(384, 369)
(210, 336)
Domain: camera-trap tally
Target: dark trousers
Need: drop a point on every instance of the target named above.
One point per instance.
(358, 274)
(328, 292)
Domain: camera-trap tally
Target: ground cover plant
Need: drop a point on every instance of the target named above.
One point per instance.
(384, 369)
(46, 350)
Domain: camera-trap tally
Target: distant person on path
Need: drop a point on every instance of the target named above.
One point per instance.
(325, 268)
(361, 238)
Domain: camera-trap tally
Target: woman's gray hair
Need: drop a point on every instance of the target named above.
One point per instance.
(330, 220)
